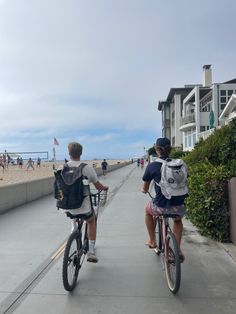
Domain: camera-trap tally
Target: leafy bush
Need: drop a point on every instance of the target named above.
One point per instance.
(219, 148)
(178, 153)
(211, 164)
(207, 205)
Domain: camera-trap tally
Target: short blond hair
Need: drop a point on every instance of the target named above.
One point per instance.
(75, 150)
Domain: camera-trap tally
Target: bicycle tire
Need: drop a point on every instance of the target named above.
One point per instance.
(71, 261)
(158, 234)
(172, 263)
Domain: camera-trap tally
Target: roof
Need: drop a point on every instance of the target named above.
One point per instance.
(233, 81)
(175, 90)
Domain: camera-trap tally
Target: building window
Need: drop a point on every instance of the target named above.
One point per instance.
(202, 128)
(194, 138)
(222, 106)
(223, 93)
(223, 100)
(185, 139)
(189, 139)
(230, 92)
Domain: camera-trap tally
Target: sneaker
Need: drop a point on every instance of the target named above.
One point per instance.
(91, 257)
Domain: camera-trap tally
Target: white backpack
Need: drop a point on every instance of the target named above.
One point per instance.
(173, 178)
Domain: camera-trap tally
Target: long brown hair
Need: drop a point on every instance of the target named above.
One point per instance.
(163, 151)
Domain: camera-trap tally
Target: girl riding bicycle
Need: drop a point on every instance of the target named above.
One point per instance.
(160, 204)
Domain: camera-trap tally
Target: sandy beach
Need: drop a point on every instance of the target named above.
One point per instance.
(14, 174)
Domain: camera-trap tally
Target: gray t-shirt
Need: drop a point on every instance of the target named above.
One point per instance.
(88, 171)
(91, 174)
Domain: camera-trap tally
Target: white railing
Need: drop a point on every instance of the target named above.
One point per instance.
(188, 119)
(207, 133)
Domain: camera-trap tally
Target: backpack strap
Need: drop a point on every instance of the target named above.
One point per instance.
(81, 167)
(160, 160)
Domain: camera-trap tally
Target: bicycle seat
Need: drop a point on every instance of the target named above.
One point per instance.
(79, 216)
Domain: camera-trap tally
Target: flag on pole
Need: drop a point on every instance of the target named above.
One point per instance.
(55, 141)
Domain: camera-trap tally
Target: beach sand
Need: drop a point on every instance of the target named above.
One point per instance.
(14, 174)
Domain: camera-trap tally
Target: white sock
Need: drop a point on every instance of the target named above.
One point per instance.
(91, 246)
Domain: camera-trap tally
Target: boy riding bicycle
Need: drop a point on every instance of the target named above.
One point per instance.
(75, 151)
(161, 204)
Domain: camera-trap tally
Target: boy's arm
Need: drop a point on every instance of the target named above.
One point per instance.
(99, 186)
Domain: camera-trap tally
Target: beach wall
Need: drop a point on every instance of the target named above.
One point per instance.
(18, 194)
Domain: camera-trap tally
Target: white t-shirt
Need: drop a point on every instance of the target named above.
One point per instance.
(91, 174)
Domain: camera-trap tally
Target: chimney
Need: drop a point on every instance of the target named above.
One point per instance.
(207, 75)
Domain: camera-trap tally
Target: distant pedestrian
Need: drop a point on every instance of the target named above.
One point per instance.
(104, 165)
(2, 163)
(5, 160)
(20, 162)
(142, 162)
(39, 162)
(138, 162)
(30, 164)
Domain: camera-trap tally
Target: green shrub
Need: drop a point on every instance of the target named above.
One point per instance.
(207, 205)
(218, 148)
(178, 153)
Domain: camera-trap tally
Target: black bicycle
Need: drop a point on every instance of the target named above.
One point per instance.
(77, 245)
(168, 249)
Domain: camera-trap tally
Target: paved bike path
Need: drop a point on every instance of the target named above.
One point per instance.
(129, 276)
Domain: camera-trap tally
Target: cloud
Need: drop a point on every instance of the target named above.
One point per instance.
(96, 69)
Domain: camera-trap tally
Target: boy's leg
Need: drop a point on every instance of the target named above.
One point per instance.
(91, 228)
(91, 257)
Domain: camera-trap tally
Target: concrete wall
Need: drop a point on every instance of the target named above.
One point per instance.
(18, 194)
(232, 208)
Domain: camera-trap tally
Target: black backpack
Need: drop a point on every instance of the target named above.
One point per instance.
(69, 189)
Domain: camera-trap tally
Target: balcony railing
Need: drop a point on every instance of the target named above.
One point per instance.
(188, 119)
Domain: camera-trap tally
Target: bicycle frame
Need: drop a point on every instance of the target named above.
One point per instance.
(78, 244)
(168, 248)
(170, 253)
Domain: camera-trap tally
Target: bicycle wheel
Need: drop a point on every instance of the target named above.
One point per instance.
(158, 235)
(71, 261)
(172, 263)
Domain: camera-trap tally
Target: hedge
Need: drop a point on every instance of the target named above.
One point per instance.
(207, 204)
(211, 164)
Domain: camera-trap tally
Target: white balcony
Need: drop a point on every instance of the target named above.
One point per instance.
(188, 122)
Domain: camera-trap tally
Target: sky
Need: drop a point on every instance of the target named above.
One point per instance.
(93, 71)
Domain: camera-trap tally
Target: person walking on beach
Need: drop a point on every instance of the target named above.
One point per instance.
(39, 162)
(104, 165)
(2, 163)
(30, 164)
(75, 152)
(20, 162)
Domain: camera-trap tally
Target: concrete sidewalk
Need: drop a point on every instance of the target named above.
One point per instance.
(129, 276)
